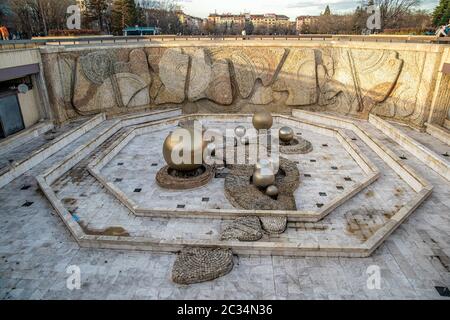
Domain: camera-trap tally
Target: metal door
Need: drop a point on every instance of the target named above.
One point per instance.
(10, 115)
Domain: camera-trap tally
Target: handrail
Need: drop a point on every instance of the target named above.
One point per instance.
(72, 41)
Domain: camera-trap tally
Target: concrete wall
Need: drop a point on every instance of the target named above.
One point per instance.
(31, 103)
(392, 80)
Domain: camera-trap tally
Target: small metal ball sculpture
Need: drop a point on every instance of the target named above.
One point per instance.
(245, 141)
(192, 143)
(286, 134)
(240, 131)
(262, 120)
(272, 191)
(263, 177)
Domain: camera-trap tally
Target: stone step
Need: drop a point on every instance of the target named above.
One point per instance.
(35, 155)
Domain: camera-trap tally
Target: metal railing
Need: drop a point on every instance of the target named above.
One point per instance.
(77, 41)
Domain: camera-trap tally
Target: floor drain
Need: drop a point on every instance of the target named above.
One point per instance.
(118, 180)
(324, 145)
(348, 179)
(26, 187)
(340, 187)
(319, 205)
(354, 139)
(334, 168)
(307, 175)
(323, 194)
(27, 204)
(120, 164)
(205, 199)
(443, 291)
(137, 190)
(154, 164)
(312, 160)
(181, 206)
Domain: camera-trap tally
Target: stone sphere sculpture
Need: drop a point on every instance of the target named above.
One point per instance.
(286, 134)
(240, 131)
(262, 120)
(184, 140)
(263, 177)
(272, 191)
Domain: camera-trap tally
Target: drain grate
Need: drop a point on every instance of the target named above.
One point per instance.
(354, 139)
(340, 187)
(307, 175)
(205, 199)
(137, 190)
(118, 180)
(325, 145)
(348, 179)
(323, 194)
(27, 204)
(154, 164)
(445, 154)
(403, 158)
(120, 164)
(181, 206)
(443, 291)
(25, 187)
(334, 167)
(319, 205)
(313, 160)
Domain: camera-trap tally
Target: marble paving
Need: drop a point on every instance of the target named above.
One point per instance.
(36, 248)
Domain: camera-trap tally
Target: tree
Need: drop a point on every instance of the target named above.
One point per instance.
(392, 11)
(37, 17)
(97, 10)
(123, 15)
(249, 27)
(441, 14)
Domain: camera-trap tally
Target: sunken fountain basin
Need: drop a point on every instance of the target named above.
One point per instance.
(331, 173)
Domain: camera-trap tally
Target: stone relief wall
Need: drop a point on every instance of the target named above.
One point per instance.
(393, 84)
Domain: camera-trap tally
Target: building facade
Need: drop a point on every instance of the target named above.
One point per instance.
(302, 21)
(268, 20)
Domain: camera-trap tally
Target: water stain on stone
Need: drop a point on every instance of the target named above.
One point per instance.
(110, 231)
(369, 194)
(364, 223)
(69, 201)
(398, 192)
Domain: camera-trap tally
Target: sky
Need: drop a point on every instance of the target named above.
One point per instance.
(291, 8)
